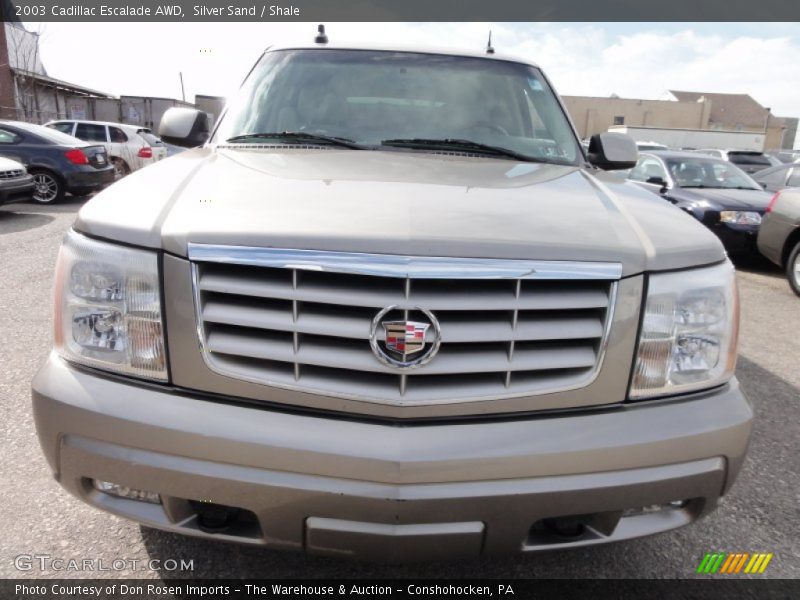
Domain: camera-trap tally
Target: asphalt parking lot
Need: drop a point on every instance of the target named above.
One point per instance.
(38, 518)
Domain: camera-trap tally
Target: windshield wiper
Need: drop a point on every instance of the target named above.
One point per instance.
(300, 136)
(458, 144)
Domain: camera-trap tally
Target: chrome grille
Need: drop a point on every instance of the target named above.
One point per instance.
(12, 174)
(301, 320)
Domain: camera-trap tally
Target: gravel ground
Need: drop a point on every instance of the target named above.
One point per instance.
(759, 515)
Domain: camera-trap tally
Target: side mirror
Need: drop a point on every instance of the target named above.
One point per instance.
(658, 181)
(763, 184)
(612, 151)
(184, 127)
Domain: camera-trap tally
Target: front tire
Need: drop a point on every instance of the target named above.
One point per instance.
(793, 269)
(47, 187)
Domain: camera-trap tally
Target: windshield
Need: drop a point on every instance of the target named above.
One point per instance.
(372, 96)
(709, 173)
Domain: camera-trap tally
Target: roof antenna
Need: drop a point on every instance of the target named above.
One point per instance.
(321, 37)
(489, 48)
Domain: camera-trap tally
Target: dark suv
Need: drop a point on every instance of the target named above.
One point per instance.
(749, 161)
(58, 162)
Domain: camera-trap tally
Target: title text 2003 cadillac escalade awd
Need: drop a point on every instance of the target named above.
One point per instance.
(392, 310)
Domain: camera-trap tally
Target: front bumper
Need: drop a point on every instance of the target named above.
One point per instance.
(737, 239)
(16, 190)
(386, 492)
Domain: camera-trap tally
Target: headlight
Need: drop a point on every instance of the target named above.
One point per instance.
(689, 332)
(740, 217)
(108, 308)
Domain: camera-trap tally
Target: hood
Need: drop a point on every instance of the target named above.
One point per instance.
(753, 200)
(396, 202)
(6, 164)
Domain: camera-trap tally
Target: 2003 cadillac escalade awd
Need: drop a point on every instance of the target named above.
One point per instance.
(392, 310)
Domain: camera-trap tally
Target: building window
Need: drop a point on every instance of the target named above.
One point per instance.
(619, 120)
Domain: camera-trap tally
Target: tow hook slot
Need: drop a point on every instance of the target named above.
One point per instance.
(223, 519)
(214, 518)
(571, 528)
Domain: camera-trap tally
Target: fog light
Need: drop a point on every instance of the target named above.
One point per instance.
(121, 491)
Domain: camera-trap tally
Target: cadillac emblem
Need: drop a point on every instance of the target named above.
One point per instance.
(405, 337)
(404, 344)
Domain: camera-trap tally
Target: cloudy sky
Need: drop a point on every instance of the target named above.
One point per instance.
(633, 60)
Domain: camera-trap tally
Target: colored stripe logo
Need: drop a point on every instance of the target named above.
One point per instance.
(731, 563)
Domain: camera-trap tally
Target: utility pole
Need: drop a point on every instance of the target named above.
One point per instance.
(183, 92)
(766, 130)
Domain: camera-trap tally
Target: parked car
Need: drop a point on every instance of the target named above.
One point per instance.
(58, 162)
(774, 161)
(786, 156)
(716, 192)
(16, 184)
(129, 147)
(779, 237)
(396, 292)
(776, 178)
(160, 149)
(748, 161)
(172, 150)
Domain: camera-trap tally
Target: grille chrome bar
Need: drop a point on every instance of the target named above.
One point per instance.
(300, 320)
(551, 299)
(392, 265)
